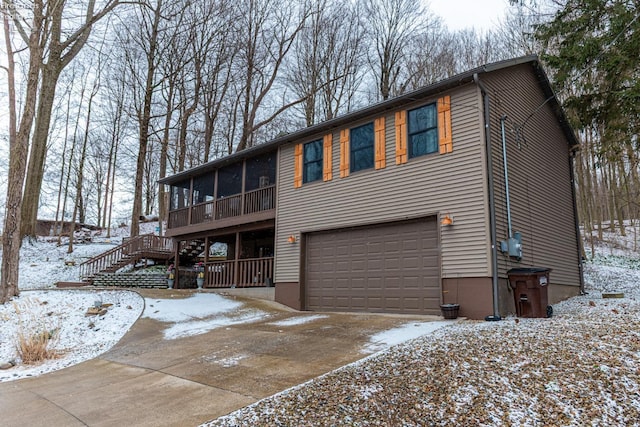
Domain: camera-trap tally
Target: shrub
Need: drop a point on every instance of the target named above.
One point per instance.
(35, 347)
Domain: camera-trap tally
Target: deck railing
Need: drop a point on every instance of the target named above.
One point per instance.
(228, 206)
(255, 272)
(240, 273)
(262, 199)
(202, 212)
(178, 218)
(250, 202)
(220, 274)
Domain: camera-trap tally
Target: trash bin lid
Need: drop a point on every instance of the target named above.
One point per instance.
(529, 270)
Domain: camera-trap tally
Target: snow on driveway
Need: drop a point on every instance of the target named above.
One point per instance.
(199, 314)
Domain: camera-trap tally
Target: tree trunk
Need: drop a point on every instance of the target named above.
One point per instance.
(18, 149)
(597, 190)
(72, 152)
(35, 170)
(164, 151)
(83, 154)
(60, 215)
(144, 119)
(617, 190)
(113, 180)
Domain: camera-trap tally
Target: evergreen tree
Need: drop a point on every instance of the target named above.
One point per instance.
(593, 50)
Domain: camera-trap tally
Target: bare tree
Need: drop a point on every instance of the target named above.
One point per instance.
(18, 144)
(61, 36)
(70, 161)
(393, 26)
(150, 20)
(325, 70)
(81, 162)
(266, 30)
(117, 122)
(217, 77)
(430, 57)
(63, 169)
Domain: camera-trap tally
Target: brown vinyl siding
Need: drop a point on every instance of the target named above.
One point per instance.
(539, 176)
(453, 183)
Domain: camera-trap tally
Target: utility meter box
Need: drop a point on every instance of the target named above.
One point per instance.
(515, 245)
(530, 291)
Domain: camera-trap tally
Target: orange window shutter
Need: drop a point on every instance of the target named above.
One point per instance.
(380, 143)
(297, 166)
(327, 173)
(344, 153)
(444, 125)
(401, 137)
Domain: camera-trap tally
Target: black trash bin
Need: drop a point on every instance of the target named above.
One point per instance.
(530, 291)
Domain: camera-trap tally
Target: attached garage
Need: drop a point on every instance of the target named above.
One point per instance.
(391, 267)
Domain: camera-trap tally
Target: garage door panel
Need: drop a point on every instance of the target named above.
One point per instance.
(411, 245)
(391, 267)
(374, 304)
(412, 284)
(412, 262)
(375, 283)
(375, 265)
(393, 303)
(392, 263)
(342, 266)
(339, 251)
(340, 284)
(358, 284)
(375, 248)
(359, 266)
(412, 303)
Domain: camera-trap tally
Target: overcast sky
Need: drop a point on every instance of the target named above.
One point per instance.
(459, 14)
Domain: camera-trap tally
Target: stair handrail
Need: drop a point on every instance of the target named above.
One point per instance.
(129, 247)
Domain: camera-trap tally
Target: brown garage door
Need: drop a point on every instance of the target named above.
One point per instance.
(385, 268)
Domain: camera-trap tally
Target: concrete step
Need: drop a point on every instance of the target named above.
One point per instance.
(66, 285)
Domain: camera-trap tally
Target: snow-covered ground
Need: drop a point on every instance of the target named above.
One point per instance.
(578, 368)
(199, 313)
(79, 337)
(76, 336)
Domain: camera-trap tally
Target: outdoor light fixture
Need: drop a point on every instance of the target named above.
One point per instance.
(291, 239)
(447, 220)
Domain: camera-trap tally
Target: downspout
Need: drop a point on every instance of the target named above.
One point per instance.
(576, 222)
(492, 206)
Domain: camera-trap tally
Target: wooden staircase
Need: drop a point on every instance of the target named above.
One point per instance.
(147, 246)
(190, 250)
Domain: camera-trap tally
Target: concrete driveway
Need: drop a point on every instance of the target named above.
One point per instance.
(146, 380)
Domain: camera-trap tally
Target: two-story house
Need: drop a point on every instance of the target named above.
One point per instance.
(426, 198)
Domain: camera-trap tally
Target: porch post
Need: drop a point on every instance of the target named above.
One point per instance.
(236, 264)
(244, 180)
(215, 195)
(190, 201)
(176, 263)
(206, 261)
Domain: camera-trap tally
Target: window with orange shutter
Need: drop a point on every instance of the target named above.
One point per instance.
(380, 143)
(445, 141)
(312, 161)
(361, 147)
(422, 130)
(401, 137)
